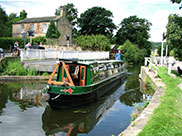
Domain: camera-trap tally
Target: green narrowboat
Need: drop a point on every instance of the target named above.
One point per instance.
(81, 81)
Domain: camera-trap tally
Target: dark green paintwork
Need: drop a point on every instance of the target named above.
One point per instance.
(83, 89)
(89, 87)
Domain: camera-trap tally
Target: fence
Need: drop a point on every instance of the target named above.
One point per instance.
(32, 54)
(154, 61)
(150, 62)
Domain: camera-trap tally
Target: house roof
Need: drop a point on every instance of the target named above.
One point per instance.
(37, 19)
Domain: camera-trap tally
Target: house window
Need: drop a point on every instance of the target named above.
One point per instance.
(22, 28)
(44, 28)
(32, 29)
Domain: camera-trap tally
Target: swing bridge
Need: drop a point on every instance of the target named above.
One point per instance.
(45, 60)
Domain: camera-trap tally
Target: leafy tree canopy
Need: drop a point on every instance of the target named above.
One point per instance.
(71, 13)
(93, 42)
(7, 21)
(131, 53)
(3, 22)
(23, 14)
(96, 20)
(178, 2)
(173, 35)
(52, 31)
(136, 30)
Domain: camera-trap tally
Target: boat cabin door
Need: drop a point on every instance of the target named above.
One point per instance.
(82, 75)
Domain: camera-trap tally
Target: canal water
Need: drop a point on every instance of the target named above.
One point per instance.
(22, 113)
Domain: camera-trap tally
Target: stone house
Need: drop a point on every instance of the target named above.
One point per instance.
(39, 26)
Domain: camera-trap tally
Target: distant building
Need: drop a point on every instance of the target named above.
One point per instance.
(39, 26)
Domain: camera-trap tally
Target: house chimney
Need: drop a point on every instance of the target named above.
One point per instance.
(62, 11)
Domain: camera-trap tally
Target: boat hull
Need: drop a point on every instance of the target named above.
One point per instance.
(95, 92)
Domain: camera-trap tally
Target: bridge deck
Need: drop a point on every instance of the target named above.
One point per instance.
(41, 65)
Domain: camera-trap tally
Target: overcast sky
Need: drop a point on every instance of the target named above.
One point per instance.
(155, 11)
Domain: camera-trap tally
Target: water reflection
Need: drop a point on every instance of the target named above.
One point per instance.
(132, 93)
(26, 95)
(79, 120)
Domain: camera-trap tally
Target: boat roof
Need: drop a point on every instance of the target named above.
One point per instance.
(90, 62)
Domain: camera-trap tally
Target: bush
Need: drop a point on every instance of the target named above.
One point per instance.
(131, 53)
(7, 42)
(38, 39)
(93, 42)
(12, 66)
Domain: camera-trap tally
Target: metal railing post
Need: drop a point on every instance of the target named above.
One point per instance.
(146, 62)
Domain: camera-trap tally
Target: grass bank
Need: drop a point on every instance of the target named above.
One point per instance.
(167, 118)
(13, 67)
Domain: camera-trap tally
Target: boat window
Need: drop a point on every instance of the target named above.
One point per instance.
(83, 70)
(102, 67)
(93, 69)
(82, 75)
(109, 66)
(116, 65)
(65, 77)
(74, 72)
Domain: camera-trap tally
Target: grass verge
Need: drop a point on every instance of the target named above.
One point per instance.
(167, 118)
(12, 67)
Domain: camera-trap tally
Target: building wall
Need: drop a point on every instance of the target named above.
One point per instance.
(38, 29)
(65, 28)
(63, 25)
(16, 30)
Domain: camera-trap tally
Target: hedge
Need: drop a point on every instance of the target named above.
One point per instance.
(93, 42)
(7, 42)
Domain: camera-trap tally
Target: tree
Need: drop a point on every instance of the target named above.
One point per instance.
(174, 34)
(178, 2)
(71, 13)
(52, 31)
(93, 42)
(136, 30)
(23, 14)
(131, 53)
(3, 22)
(7, 21)
(96, 20)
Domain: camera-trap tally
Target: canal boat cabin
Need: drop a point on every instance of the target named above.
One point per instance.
(79, 82)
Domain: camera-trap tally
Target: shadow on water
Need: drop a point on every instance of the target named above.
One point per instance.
(108, 116)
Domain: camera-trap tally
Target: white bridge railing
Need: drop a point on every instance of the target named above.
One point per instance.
(32, 54)
(151, 63)
(154, 61)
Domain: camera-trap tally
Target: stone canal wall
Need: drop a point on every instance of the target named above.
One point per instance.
(136, 126)
(24, 78)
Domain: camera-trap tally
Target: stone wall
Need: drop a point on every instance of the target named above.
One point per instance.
(63, 47)
(38, 29)
(136, 126)
(64, 28)
(16, 30)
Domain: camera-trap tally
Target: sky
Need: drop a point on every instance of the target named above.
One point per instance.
(155, 11)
